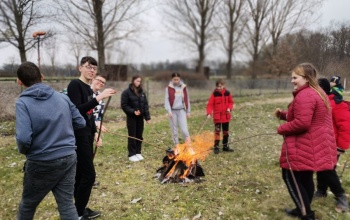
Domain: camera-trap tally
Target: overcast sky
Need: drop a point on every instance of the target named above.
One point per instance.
(155, 46)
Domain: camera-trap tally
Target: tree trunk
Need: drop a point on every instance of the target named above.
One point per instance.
(100, 35)
(22, 54)
(230, 50)
(200, 63)
(21, 45)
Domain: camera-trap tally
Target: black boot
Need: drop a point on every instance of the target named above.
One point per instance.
(342, 203)
(293, 212)
(310, 216)
(216, 147)
(226, 148)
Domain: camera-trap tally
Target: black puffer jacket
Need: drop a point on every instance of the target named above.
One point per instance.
(130, 103)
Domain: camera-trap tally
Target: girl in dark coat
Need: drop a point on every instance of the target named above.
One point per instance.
(135, 105)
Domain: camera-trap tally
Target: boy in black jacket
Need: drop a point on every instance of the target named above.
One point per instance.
(80, 93)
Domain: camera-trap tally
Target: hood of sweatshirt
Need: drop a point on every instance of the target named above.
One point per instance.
(180, 85)
(38, 91)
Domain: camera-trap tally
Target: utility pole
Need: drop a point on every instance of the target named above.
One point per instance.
(37, 35)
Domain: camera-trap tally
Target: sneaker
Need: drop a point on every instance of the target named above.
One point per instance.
(134, 158)
(139, 156)
(319, 194)
(342, 203)
(90, 214)
(293, 212)
(96, 184)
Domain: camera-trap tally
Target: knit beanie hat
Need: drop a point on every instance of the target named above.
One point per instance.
(335, 79)
(324, 84)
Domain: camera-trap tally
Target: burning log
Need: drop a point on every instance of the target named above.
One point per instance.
(181, 164)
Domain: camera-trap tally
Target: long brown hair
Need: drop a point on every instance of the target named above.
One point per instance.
(309, 72)
(136, 90)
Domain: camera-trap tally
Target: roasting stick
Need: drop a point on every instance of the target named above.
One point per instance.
(101, 122)
(127, 136)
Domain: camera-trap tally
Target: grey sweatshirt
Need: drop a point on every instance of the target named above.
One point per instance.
(179, 98)
(45, 120)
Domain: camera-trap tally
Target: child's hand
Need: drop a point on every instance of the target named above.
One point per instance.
(277, 112)
(208, 116)
(99, 142)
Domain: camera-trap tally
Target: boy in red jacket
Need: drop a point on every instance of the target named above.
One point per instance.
(219, 106)
(341, 126)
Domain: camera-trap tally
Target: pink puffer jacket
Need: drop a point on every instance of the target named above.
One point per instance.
(309, 135)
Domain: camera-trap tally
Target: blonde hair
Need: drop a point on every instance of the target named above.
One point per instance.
(309, 72)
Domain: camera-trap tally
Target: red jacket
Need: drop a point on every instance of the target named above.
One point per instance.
(341, 123)
(309, 135)
(219, 102)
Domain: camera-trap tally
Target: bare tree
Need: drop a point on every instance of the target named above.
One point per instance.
(77, 47)
(339, 40)
(290, 15)
(98, 23)
(51, 50)
(192, 21)
(233, 19)
(17, 18)
(258, 10)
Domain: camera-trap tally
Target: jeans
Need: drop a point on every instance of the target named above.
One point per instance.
(86, 174)
(135, 126)
(41, 177)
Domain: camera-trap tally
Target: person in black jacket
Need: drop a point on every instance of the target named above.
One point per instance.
(134, 104)
(81, 94)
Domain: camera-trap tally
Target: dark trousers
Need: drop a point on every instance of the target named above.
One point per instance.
(135, 126)
(329, 178)
(306, 187)
(225, 127)
(85, 177)
(41, 177)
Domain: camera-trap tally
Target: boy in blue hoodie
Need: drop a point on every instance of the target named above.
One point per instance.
(45, 123)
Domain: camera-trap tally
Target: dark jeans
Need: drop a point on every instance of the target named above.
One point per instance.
(306, 186)
(135, 126)
(86, 174)
(329, 178)
(41, 177)
(225, 127)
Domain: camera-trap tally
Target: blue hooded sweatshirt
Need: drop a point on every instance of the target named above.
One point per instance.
(45, 120)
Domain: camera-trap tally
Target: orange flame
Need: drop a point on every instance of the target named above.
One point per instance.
(198, 149)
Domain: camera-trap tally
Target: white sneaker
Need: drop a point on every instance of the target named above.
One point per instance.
(139, 156)
(134, 158)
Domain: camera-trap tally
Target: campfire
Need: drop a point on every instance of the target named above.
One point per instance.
(181, 164)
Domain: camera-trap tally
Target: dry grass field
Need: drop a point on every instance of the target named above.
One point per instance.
(245, 185)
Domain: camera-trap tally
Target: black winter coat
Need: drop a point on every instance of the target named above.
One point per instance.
(130, 103)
